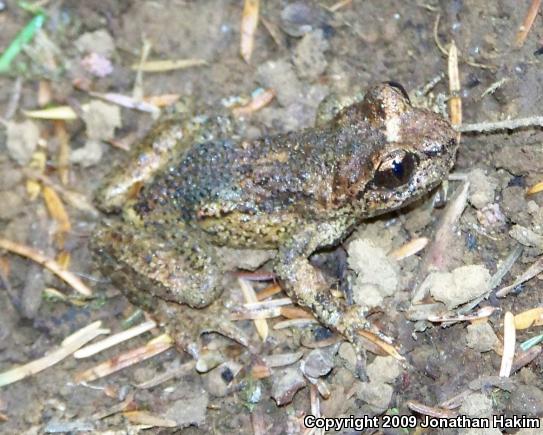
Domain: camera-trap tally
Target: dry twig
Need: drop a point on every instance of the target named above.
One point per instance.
(114, 339)
(534, 270)
(509, 124)
(526, 25)
(154, 347)
(48, 263)
(67, 347)
(249, 294)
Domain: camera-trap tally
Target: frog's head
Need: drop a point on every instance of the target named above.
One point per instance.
(416, 150)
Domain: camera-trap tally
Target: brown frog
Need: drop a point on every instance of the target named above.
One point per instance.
(295, 192)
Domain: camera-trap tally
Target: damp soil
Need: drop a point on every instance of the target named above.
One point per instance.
(304, 52)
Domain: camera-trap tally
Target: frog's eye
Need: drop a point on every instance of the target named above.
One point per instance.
(395, 170)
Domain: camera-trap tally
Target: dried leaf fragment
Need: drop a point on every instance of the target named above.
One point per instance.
(528, 318)
(249, 295)
(536, 188)
(509, 340)
(65, 113)
(56, 209)
(259, 101)
(249, 23)
(167, 65)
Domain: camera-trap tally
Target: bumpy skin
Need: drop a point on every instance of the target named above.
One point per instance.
(296, 192)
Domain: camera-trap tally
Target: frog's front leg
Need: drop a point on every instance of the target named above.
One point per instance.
(308, 287)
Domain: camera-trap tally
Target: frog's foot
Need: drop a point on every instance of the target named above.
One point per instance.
(181, 269)
(308, 287)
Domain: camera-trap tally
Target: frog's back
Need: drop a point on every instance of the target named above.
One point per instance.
(253, 193)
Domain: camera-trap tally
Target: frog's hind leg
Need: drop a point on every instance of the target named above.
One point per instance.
(181, 269)
(308, 287)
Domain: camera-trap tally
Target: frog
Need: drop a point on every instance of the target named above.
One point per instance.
(296, 192)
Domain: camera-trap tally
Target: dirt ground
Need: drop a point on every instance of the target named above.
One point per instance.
(304, 51)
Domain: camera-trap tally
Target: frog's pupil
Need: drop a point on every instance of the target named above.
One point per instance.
(398, 169)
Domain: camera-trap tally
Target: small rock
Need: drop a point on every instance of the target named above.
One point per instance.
(72, 426)
(486, 381)
(285, 384)
(101, 120)
(190, 408)
(534, 431)
(99, 41)
(462, 285)
(347, 353)
(22, 140)
(526, 237)
(252, 392)
(208, 360)
(319, 362)
(526, 400)
(491, 216)
(299, 18)
(384, 369)
(482, 188)
(11, 204)
(97, 65)
(476, 405)
(89, 154)
(380, 233)
(513, 204)
(279, 75)
(373, 267)
(368, 295)
(219, 379)
(375, 394)
(308, 57)
(9, 175)
(481, 337)
(533, 207)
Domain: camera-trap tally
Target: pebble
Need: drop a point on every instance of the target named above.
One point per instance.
(285, 384)
(375, 394)
(482, 188)
(12, 203)
(309, 58)
(526, 400)
(476, 405)
(459, 286)
(377, 274)
(384, 369)
(300, 17)
(481, 337)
